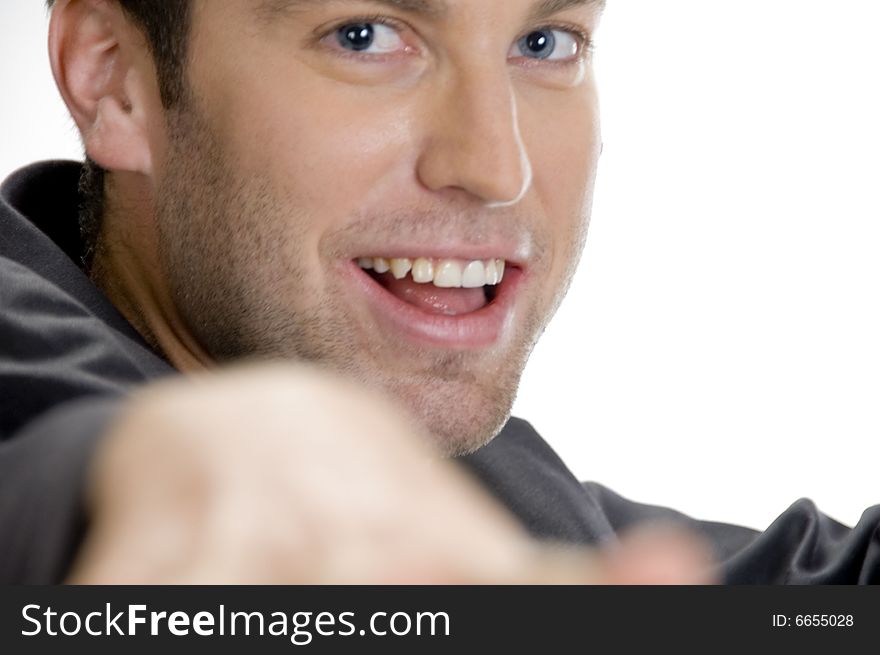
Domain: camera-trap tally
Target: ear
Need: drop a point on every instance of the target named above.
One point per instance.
(105, 74)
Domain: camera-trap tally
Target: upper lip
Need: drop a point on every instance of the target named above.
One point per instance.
(513, 255)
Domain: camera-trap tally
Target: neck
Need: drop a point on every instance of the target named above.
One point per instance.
(126, 268)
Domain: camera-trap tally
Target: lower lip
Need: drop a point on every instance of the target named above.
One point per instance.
(480, 329)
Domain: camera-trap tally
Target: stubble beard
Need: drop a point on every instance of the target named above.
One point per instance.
(232, 249)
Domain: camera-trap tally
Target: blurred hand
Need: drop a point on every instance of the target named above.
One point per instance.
(288, 475)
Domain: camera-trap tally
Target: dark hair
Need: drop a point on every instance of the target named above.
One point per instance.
(165, 23)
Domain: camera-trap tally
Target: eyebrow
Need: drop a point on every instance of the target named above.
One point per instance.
(544, 9)
(270, 8)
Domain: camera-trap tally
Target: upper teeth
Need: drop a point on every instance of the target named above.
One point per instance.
(447, 273)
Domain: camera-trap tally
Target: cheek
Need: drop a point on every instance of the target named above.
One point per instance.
(326, 147)
(564, 153)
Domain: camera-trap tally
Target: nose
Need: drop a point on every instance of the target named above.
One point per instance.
(474, 142)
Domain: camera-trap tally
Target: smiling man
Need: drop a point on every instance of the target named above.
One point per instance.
(401, 197)
(379, 204)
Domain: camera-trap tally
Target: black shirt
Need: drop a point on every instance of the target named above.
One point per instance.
(68, 359)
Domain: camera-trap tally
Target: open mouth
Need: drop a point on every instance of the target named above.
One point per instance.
(449, 287)
(439, 302)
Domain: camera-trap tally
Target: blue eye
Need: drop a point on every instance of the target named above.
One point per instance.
(538, 45)
(547, 44)
(370, 38)
(356, 37)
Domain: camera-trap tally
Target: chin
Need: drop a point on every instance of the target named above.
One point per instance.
(459, 417)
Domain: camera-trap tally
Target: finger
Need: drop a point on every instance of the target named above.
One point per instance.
(659, 554)
(651, 555)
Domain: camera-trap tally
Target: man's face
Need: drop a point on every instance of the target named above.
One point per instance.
(320, 135)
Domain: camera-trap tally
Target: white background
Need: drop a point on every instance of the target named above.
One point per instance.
(718, 352)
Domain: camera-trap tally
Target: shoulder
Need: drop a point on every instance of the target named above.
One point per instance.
(60, 338)
(802, 546)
